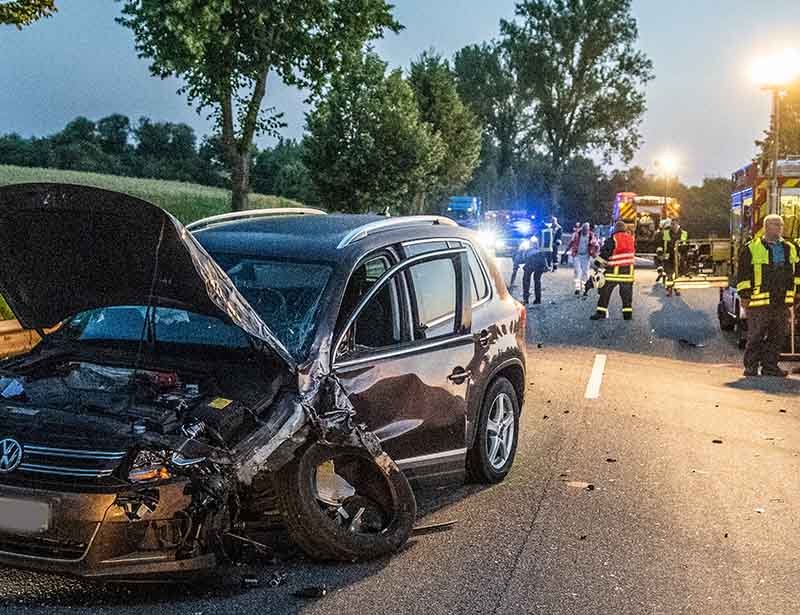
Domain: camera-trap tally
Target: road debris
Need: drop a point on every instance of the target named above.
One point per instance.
(699, 472)
(433, 528)
(277, 579)
(690, 344)
(313, 592)
(716, 441)
(578, 484)
(611, 460)
(249, 581)
(760, 511)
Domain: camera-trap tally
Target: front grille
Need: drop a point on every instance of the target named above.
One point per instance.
(75, 463)
(37, 546)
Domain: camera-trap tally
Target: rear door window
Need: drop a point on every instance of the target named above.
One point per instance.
(434, 297)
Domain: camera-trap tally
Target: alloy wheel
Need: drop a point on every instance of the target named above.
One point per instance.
(500, 431)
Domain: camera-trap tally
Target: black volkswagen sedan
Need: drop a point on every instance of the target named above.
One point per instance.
(261, 367)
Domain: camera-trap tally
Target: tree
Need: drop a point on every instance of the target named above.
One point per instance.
(441, 108)
(224, 51)
(367, 147)
(21, 13)
(790, 127)
(488, 86)
(113, 132)
(576, 62)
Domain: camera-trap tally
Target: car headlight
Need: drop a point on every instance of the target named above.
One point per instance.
(149, 466)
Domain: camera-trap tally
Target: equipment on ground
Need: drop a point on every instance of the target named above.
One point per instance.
(749, 207)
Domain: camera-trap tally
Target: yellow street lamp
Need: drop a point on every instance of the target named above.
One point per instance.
(774, 73)
(668, 164)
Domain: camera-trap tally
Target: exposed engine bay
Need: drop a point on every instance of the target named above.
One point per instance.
(213, 452)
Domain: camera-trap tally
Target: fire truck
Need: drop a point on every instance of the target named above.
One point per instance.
(749, 207)
(643, 215)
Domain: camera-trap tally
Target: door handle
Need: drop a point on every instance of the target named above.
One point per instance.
(459, 375)
(484, 338)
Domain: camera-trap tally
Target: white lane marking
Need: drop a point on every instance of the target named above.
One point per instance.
(596, 379)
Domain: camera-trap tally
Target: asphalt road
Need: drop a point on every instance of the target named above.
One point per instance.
(673, 522)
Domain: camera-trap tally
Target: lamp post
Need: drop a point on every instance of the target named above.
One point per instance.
(774, 73)
(668, 164)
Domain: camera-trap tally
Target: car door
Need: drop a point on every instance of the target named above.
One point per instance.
(403, 357)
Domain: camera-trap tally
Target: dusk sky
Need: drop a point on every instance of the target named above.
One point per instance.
(702, 106)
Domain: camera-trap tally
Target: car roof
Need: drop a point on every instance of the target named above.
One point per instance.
(315, 238)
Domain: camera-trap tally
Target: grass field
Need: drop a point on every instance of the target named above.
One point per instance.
(187, 202)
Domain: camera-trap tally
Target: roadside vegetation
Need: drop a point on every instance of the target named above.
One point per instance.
(187, 202)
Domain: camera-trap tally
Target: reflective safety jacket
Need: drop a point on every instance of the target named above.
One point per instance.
(764, 282)
(547, 239)
(618, 256)
(668, 243)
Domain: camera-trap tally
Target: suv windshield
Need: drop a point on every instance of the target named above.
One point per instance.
(127, 323)
(286, 294)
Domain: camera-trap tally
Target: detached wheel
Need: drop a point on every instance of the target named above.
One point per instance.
(492, 455)
(726, 321)
(343, 504)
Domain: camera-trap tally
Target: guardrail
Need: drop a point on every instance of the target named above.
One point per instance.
(14, 339)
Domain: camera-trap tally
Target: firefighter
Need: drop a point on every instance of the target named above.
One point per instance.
(617, 257)
(670, 238)
(768, 283)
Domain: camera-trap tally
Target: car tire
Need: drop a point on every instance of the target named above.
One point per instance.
(726, 321)
(319, 535)
(482, 465)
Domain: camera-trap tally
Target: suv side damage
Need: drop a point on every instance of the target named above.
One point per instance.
(186, 458)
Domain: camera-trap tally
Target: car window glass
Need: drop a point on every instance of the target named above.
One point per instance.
(413, 249)
(480, 286)
(434, 287)
(362, 279)
(285, 294)
(378, 325)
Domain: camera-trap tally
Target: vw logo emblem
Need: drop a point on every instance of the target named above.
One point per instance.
(10, 455)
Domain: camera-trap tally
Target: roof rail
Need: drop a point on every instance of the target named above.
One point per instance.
(359, 233)
(250, 214)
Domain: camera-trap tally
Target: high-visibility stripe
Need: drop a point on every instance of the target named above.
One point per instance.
(791, 183)
(619, 278)
(602, 309)
(743, 285)
(627, 309)
(758, 303)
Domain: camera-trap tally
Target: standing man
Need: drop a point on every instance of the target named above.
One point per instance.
(558, 232)
(535, 265)
(617, 257)
(670, 238)
(768, 286)
(583, 248)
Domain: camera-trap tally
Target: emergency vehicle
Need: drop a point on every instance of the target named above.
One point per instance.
(643, 215)
(749, 207)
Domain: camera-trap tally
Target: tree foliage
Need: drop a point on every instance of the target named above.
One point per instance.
(790, 127)
(21, 13)
(224, 50)
(367, 147)
(441, 108)
(577, 63)
(488, 86)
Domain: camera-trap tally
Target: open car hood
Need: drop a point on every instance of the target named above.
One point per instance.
(66, 248)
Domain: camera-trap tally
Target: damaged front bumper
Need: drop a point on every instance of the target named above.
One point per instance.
(89, 534)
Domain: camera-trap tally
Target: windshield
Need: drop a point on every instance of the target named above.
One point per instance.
(127, 323)
(286, 294)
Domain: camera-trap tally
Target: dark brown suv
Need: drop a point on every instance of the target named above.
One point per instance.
(266, 366)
